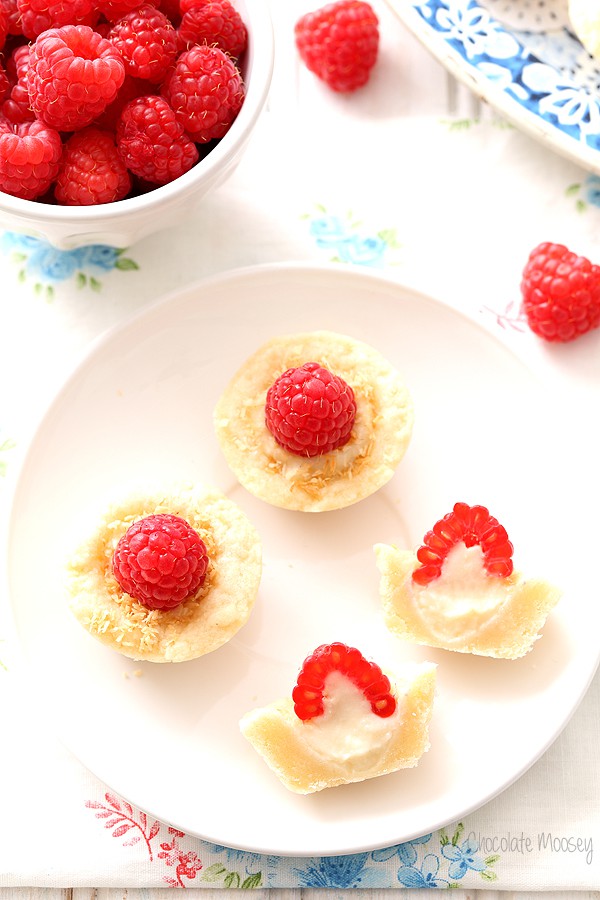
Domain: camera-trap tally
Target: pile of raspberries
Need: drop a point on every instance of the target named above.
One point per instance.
(104, 99)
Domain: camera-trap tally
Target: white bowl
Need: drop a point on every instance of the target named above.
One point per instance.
(124, 222)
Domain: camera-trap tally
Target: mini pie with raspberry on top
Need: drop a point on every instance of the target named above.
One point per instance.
(460, 592)
(167, 577)
(345, 721)
(314, 421)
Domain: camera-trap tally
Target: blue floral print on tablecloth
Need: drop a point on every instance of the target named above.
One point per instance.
(558, 88)
(47, 265)
(347, 240)
(431, 861)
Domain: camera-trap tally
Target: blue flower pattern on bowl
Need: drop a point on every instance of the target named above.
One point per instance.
(550, 76)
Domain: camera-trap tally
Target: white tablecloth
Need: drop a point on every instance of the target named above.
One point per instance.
(450, 207)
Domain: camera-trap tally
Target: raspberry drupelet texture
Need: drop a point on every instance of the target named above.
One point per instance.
(337, 657)
(152, 142)
(472, 525)
(113, 10)
(206, 91)
(4, 25)
(17, 106)
(310, 411)
(160, 561)
(561, 293)
(36, 16)
(4, 83)
(213, 22)
(91, 170)
(30, 155)
(339, 43)
(147, 42)
(74, 74)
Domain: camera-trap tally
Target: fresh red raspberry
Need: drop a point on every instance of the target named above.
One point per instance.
(74, 74)
(309, 411)
(17, 106)
(213, 22)
(4, 83)
(561, 293)
(37, 16)
(91, 170)
(113, 10)
(147, 41)
(310, 685)
(18, 63)
(29, 158)
(4, 25)
(151, 141)
(472, 525)
(13, 15)
(339, 43)
(160, 561)
(206, 91)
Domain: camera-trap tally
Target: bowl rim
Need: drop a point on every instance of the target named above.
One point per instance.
(260, 60)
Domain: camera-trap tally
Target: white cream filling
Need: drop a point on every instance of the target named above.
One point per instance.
(463, 598)
(348, 731)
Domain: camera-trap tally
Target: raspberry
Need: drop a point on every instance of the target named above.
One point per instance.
(37, 16)
(561, 293)
(17, 106)
(147, 42)
(13, 16)
(91, 170)
(113, 10)
(160, 561)
(29, 158)
(309, 411)
(4, 83)
(206, 91)
(310, 685)
(339, 43)
(213, 22)
(472, 525)
(4, 25)
(74, 74)
(151, 141)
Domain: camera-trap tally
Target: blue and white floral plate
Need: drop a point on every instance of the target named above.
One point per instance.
(522, 57)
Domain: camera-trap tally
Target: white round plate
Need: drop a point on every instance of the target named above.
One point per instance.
(138, 411)
(523, 58)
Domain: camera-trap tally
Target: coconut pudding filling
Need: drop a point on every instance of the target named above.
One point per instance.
(348, 731)
(463, 598)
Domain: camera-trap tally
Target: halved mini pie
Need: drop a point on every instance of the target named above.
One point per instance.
(345, 721)
(459, 590)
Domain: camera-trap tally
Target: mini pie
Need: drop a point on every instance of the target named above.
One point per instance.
(584, 16)
(379, 438)
(203, 622)
(468, 599)
(360, 726)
